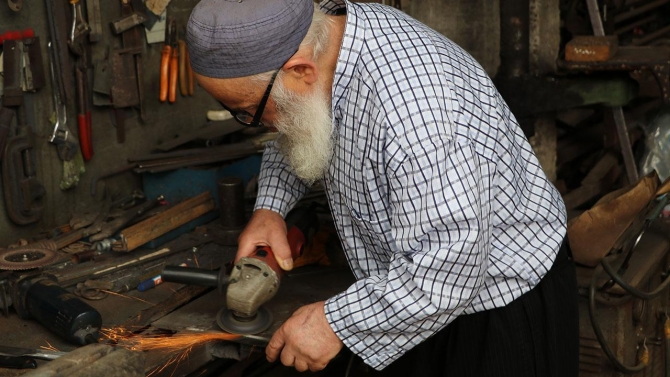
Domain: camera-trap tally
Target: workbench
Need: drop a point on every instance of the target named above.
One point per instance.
(180, 308)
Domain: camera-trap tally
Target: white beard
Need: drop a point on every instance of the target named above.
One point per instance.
(305, 127)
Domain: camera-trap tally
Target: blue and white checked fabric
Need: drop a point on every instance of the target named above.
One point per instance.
(437, 196)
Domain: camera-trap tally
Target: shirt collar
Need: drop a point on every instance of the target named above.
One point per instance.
(352, 44)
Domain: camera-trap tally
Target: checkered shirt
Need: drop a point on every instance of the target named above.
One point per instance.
(439, 201)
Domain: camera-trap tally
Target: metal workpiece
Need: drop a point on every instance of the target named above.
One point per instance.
(231, 202)
(94, 360)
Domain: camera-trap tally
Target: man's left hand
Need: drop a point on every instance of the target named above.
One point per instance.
(305, 341)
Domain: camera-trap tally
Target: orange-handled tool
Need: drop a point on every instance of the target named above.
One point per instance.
(183, 85)
(165, 66)
(167, 54)
(174, 63)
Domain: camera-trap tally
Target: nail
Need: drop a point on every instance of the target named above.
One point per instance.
(288, 264)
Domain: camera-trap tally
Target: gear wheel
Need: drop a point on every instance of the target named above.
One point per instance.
(25, 258)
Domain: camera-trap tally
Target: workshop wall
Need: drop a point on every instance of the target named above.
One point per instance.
(164, 121)
(473, 24)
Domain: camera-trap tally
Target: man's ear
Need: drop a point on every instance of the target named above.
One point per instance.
(301, 69)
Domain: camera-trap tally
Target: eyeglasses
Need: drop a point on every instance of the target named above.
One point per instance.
(254, 120)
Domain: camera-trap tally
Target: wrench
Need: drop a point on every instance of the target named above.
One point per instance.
(80, 29)
(61, 135)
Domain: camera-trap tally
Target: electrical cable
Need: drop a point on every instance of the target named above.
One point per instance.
(599, 334)
(630, 289)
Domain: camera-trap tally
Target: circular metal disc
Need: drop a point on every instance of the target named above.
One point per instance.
(228, 322)
(25, 259)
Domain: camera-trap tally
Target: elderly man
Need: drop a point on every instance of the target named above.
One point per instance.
(449, 224)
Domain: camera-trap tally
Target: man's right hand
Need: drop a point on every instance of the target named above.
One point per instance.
(266, 228)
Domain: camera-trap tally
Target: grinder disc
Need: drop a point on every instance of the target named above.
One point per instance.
(233, 324)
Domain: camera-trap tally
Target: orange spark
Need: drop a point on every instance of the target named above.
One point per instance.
(49, 347)
(124, 296)
(175, 342)
(172, 342)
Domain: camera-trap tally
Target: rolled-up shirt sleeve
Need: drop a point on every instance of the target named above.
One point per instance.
(279, 189)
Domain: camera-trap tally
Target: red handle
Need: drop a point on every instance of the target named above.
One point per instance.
(164, 69)
(85, 137)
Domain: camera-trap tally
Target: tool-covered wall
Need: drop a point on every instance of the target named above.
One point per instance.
(107, 65)
(109, 72)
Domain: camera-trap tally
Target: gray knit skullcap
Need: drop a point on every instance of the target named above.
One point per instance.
(238, 38)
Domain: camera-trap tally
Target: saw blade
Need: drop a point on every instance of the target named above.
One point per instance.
(25, 258)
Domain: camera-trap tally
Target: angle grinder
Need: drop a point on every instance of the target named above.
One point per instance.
(253, 280)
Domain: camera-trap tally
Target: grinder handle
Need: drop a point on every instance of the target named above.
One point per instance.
(193, 276)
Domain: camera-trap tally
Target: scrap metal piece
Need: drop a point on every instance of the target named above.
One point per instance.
(25, 258)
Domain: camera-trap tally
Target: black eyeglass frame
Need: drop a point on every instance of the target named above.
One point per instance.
(242, 116)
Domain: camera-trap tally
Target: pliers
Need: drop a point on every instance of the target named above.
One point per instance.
(169, 64)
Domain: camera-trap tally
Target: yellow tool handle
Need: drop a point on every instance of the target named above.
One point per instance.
(172, 95)
(165, 65)
(183, 85)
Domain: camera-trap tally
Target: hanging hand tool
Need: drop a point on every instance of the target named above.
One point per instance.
(12, 73)
(185, 71)
(167, 86)
(23, 192)
(253, 280)
(77, 43)
(33, 66)
(59, 34)
(174, 66)
(79, 30)
(6, 116)
(84, 113)
(61, 135)
(127, 22)
(94, 20)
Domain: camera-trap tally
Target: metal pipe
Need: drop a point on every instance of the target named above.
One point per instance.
(624, 142)
(231, 202)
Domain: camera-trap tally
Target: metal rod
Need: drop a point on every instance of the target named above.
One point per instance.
(637, 11)
(624, 142)
(596, 21)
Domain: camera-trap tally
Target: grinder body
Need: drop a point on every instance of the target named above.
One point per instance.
(253, 281)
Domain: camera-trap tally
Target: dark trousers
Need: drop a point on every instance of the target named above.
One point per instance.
(535, 335)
